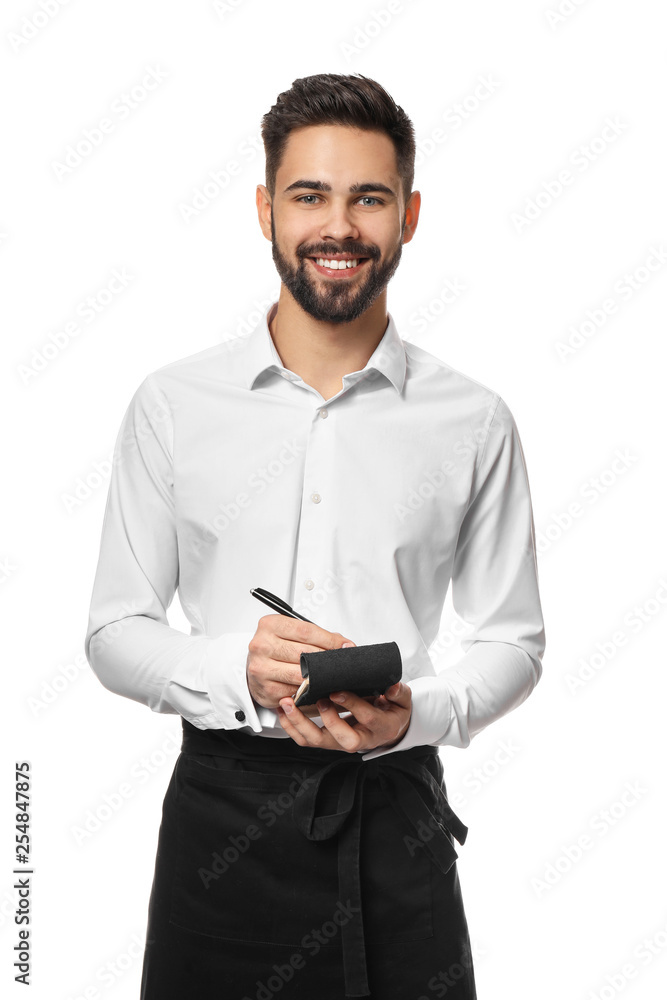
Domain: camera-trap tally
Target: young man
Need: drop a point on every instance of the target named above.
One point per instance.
(310, 853)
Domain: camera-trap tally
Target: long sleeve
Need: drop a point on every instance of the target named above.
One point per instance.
(129, 644)
(495, 589)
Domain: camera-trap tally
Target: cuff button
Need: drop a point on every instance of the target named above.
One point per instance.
(239, 715)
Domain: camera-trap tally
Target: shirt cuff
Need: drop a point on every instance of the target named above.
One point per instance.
(430, 718)
(225, 679)
(267, 716)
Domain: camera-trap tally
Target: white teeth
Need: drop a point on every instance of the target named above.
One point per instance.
(337, 265)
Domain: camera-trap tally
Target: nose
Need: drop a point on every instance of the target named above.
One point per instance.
(338, 224)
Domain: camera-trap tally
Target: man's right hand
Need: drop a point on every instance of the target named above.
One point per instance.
(274, 652)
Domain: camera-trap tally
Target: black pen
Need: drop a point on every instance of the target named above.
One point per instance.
(276, 604)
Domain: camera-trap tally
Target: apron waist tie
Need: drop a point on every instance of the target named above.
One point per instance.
(410, 787)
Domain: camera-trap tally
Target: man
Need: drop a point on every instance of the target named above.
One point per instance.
(354, 475)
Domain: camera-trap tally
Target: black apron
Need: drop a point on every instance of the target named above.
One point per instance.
(296, 872)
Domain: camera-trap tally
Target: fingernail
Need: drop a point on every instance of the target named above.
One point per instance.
(337, 697)
(287, 707)
(346, 645)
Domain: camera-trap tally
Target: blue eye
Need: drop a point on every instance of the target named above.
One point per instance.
(366, 197)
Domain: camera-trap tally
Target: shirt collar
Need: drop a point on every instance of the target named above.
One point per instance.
(260, 354)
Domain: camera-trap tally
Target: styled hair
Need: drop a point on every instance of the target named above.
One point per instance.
(334, 99)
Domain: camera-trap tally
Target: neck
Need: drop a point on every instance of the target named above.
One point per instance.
(321, 352)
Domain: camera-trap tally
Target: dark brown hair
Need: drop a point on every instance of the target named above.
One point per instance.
(334, 99)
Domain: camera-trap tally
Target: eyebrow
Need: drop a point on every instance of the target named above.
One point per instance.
(354, 188)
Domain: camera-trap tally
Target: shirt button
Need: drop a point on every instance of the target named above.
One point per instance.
(309, 584)
(324, 414)
(315, 497)
(239, 715)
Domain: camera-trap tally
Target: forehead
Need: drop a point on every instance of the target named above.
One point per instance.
(338, 154)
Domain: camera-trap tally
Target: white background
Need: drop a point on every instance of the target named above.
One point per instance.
(542, 925)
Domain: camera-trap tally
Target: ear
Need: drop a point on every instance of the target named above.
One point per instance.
(264, 209)
(411, 215)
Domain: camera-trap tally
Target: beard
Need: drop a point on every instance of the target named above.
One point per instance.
(335, 300)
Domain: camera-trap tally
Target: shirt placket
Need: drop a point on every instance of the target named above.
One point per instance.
(313, 556)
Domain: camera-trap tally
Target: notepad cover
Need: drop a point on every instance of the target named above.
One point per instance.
(365, 670)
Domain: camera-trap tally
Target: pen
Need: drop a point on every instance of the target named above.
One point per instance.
(276, 604)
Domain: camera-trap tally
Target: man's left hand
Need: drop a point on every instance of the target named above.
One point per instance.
(382, 724)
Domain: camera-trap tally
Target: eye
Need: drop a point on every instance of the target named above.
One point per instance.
(364, 197)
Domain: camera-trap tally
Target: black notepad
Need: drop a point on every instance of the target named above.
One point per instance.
(365, 670)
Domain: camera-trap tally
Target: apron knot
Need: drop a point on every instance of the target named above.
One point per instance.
(418, 799)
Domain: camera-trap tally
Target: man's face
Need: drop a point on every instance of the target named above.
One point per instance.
(337, 223)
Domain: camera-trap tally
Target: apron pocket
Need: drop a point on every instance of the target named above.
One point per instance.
(243, 871)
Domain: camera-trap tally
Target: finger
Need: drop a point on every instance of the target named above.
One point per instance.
(306, 710)
(348, 737)
(363, 710)
(285, 681)
(303, 731)
(399, 694)
(381, 702)
(310, 638)
(376, 724)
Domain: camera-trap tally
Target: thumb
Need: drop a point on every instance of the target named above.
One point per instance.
(347, 644)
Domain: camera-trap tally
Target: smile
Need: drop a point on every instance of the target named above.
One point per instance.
(338, 267)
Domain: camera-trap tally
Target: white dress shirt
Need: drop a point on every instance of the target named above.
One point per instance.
(230, 472)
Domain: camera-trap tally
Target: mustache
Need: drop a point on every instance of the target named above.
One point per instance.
(329, 250)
